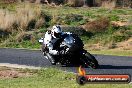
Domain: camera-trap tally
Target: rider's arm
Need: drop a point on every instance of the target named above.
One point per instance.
(51, 51)
(48, 43)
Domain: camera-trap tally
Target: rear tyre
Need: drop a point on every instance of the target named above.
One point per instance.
(90, 61)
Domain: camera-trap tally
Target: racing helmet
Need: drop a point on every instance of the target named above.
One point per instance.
(56, 31)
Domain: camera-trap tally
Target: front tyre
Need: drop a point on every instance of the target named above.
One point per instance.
(89, 60)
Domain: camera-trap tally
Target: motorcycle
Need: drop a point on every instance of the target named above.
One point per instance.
(74, 50)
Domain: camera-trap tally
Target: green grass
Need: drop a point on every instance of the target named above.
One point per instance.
(113, 52)
(23, 44)
(53, 78)
(10, 7)
(112, 34)
(64, 15)
(88, 12)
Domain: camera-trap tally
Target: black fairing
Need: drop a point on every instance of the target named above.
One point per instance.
(77, 46)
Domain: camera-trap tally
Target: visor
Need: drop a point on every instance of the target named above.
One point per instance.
(57, 35)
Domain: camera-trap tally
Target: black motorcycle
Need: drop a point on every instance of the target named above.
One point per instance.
(74, 52)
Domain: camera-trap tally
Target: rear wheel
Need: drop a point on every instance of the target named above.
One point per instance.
(89, 60)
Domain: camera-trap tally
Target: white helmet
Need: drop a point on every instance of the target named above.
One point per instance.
(56, 31)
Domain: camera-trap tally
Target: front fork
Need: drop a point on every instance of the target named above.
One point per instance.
(83, 58)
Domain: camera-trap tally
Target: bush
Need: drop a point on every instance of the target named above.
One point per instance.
(98, 25)
(24, 36)
(47, 19)
(31, 24)
(4, 35)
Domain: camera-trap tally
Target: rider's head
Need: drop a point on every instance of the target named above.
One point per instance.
(56, 31)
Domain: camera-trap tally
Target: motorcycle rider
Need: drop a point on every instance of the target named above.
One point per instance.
(56, 43)
(52, 39)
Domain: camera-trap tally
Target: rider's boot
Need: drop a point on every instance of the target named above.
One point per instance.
(53, 62)
(51, 59)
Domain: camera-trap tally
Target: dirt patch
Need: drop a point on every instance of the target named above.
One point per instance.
(6, 72)
(119, 23)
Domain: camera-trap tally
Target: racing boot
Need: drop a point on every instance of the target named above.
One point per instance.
(51, 59)
(53, 62)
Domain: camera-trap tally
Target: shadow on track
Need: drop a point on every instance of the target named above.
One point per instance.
(114, 67)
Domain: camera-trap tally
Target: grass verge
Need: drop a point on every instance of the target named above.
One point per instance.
(113, 52)
(52, 78)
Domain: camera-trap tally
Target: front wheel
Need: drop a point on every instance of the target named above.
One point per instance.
(89, 60)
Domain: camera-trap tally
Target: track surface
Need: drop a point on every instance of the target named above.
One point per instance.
(108, 64)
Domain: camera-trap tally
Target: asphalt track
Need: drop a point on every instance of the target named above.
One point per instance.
(108, 64)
